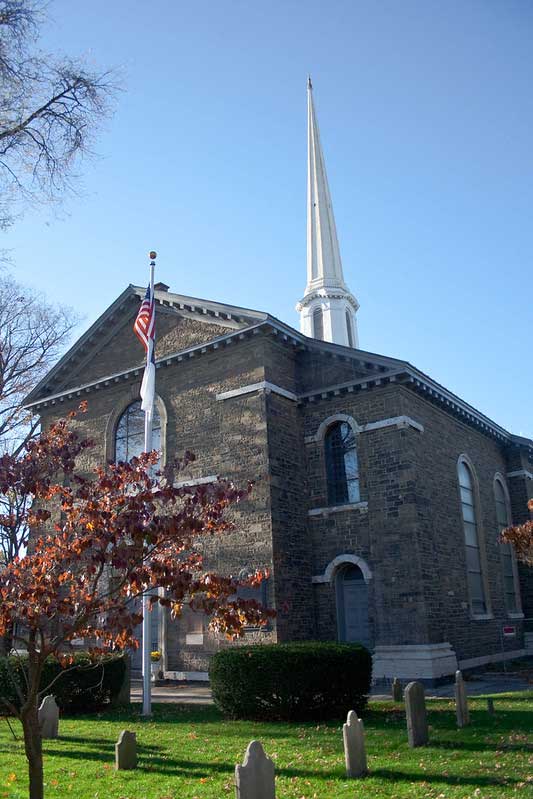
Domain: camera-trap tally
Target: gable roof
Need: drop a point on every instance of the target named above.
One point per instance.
(231, 316)
(243, 323)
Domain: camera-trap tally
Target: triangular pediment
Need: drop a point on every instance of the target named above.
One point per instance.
(110, 346)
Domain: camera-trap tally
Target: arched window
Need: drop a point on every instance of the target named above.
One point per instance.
(342, 469)
(318, 324)
(349, 328)
(129, 435)
(476, 587)
(506, 550)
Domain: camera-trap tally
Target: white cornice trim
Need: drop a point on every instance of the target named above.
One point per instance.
(325, 511)
(394, 421)
(198, 481)
(264, 385)
(521, 473)
(400, 422)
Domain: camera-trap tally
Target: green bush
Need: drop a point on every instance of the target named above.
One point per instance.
(293, 682)
(84, 688)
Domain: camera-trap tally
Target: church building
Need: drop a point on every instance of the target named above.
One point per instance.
(379, 495)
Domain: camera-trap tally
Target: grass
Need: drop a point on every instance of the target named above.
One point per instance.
(189, 752)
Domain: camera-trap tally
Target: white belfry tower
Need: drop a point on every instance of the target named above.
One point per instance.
(328, 309)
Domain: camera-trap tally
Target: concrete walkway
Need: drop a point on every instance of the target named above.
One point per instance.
(194, 693)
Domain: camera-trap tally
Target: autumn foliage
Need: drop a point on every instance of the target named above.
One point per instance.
(100, 541)
(521, 537)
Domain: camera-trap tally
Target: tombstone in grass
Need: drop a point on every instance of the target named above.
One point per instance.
(461, 701)
(48, 715)
(126, 751)
(397, 693)
(415, 711)
(354, 746)
(255, 778)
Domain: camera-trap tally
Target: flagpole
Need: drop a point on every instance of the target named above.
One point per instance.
(147, 616)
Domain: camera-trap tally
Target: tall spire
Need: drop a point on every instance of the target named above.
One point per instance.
(324, 265)
(328, 309)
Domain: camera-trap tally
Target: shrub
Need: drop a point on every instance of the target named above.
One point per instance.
(84, 687)
(293, 682)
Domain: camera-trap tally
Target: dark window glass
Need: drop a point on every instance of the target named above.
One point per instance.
(349, 328)
(342, 468)
(318, 324)
(506, 550)
(129, 437)
(473, 560)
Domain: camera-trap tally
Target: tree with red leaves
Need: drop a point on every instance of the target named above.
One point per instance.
(106, 539)
(521, 537)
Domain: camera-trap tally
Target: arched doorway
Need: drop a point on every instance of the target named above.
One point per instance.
(352, 605)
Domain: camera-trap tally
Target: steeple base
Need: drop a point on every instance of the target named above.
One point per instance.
(330, 315)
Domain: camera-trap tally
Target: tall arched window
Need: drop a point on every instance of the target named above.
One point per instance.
(476, 587)
(506, 550)
(342, 469)
(349, 328)
(318, 324)
(129, 435)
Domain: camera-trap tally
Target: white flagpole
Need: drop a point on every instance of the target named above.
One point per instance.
(147, 616)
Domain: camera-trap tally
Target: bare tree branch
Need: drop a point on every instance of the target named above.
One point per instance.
(50, 111)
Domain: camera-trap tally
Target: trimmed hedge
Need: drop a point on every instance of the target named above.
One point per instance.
(309, 681)
(84, 688)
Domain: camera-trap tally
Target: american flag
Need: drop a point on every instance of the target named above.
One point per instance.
(144, 325)
(144, 329)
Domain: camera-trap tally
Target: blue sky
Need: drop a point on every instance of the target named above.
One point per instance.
(426, 117)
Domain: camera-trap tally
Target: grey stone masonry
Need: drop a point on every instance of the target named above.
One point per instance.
(415, 710)
(354, 746)
(461, 701)
(255, 778)
(126, 751)
(49, 717)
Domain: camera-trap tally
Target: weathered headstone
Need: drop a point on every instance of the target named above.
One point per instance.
(255, 778)
(461, 701)
(122, 699)
(415, 710)
(397, 693)
(48, 715)
(126, 751)
(354, 746)
(490, 706)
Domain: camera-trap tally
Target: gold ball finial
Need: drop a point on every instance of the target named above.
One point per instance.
(153, 255)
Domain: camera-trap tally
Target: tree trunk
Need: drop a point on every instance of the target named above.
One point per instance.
(33, 746)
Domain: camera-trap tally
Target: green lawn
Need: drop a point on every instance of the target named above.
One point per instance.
(188, 752)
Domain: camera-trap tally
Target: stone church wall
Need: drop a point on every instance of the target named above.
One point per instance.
(381, 530)
(443, 571)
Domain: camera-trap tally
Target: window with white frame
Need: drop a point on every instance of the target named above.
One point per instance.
(506, 550)
(342, 466)
(129, 434)
(349, 327)
(476, 586)
(318, 324)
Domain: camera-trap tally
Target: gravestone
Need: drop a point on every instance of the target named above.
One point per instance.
(397, 693)
(461, 701)
(48, 716)
(122, 699)
(255, 778)
(354, 746)
(126, 751)
(415, 711)
(490, 706)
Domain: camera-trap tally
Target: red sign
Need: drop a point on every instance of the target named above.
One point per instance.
(509, 632)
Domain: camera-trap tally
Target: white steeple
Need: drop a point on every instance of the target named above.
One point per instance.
(328, 309)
